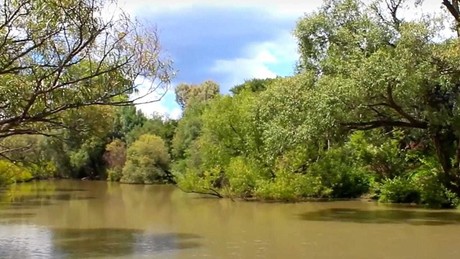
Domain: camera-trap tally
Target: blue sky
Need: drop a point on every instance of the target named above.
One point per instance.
(222, 40)
(227, 41)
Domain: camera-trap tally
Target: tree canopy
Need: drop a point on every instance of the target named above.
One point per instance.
(373, 108)
(57, 56)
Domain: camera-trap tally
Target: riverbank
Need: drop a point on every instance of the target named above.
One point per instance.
(91, 219)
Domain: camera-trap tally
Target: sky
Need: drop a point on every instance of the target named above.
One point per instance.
(227, 41)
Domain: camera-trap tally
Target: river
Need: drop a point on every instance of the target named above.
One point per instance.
(82, 219)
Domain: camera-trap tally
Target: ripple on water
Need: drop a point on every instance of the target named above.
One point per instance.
(25, 241)
(393, 216)
(120, 242)
(31, 241)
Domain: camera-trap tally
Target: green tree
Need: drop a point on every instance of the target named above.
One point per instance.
(193, 99)
(253, 85)
(156, 125)
(29, 152)
(147, 161)
(188, 94)
(115, 158)
(398, 74)
(78, 149)
(58, 56)
(127, 119)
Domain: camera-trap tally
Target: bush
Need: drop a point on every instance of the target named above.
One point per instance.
(44, 170)
(147, 161)
(339, 172)
(380, 152)
(12, 173)
(242, 175)
(114, 174)
(290, 187)
(423, 187)
(207, 182)
(115, 159)
(399, 190)
(432, 192)
(282, 187)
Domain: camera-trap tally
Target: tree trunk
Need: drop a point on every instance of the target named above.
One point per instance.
(453, 7)
(448, 153)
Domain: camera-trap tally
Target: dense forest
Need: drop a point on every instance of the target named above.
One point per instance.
(372, 110)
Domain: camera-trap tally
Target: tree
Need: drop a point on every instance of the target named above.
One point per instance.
(193, 99)
(403, 74)
(147, 161)
(157, 125)
(57, 56)
(253, 85)
(115, 158)
(453, 8)
(187, 131)
(127, 119)
(187, 94)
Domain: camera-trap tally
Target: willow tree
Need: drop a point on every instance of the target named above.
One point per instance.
(187, 94)
(57, 56)
(382, 71)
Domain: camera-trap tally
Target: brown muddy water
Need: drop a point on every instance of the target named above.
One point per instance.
(77, 219)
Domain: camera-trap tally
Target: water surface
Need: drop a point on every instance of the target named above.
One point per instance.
(78, 219)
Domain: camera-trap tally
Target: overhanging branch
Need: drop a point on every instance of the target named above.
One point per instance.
(367, 125)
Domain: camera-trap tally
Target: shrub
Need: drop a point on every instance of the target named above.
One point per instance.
(242, 177)
(147, 161)
(207, 182)
(114, 174)
(115, 159)
(282, 187)
(399, 190)
(43, 170)
(339, 172)
(12, 173)
(290, 186)
(423, 188)
(432, 192)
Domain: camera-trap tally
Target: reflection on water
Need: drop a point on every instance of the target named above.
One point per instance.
(29, 241)
(86, 243)
(82, 219)
(24, 241)
(412, 217)
(13, 215)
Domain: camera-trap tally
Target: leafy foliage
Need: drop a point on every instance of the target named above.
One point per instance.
(372, 109)
(422, 185)
(12, 173)
(187, 95)
(147, 161)
(59, 56)
(115, 158)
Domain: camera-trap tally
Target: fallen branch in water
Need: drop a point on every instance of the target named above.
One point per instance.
(209, 191)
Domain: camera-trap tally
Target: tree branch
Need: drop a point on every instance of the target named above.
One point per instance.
(383, 123)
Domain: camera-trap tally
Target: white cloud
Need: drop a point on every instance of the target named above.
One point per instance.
(160, 102)
(162, 107)
(259, 60)
(276, 7)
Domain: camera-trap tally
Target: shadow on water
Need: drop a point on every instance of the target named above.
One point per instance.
(429, 218)
(84, 243)
(38, 200)
(15, 215)
(68, 197)
(70, 190)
